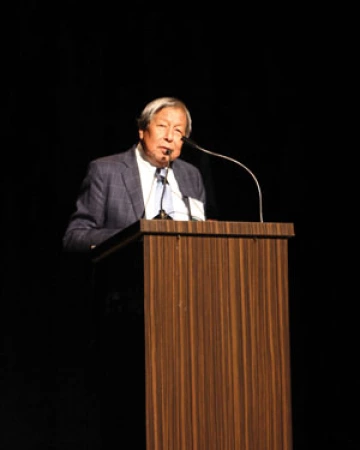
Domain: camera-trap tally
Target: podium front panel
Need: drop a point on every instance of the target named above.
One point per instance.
(216, 343)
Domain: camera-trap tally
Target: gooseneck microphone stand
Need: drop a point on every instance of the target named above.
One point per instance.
(196, 146)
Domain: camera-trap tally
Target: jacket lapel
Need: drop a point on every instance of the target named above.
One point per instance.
(185, 182)
(132, 182)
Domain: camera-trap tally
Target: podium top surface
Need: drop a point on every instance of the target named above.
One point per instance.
(202, 228)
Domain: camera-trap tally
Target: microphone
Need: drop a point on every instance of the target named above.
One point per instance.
(162, 213)
(196, 146)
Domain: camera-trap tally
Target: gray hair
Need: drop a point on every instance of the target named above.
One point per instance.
(158, 104)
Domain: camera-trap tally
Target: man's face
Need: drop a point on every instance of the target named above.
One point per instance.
(163, 135)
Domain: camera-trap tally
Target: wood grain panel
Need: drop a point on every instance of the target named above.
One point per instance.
(217, 352)
(206, 228)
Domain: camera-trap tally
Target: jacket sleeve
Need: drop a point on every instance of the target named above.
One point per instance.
(87, 225)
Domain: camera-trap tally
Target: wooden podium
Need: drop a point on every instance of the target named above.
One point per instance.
(213, 298)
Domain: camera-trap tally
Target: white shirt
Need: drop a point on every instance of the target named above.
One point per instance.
(148, 184)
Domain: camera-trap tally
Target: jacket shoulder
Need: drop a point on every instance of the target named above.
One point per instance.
(127, 155)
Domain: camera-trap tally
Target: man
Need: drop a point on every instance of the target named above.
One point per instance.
(120, 189)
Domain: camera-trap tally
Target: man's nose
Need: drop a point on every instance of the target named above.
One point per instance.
(169, 134)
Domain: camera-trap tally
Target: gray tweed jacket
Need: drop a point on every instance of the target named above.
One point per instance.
(111, 198)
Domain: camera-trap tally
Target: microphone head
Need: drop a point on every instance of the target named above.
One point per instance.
(189, 142)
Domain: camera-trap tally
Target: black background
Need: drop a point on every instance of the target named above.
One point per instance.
(272, 88)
